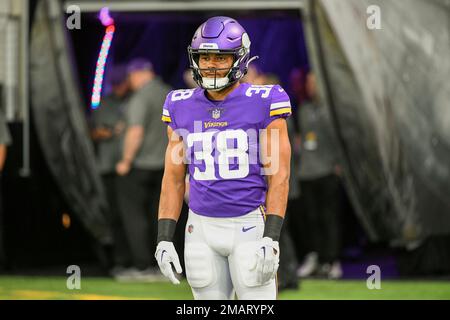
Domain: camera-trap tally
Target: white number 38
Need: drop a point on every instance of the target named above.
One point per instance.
(225, 154)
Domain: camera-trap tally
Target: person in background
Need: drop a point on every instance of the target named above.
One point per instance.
(266, 79)
(319, 184)
(252, 74)
(141, 167)
(189, 80)
(107, 130)
(5, 140)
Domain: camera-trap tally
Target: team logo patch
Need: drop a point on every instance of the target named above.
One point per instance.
(216, 113)
(191, 228)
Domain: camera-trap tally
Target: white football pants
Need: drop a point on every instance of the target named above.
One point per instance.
(218, 255)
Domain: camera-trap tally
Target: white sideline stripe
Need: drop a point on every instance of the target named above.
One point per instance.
(166, 112)
(280, 105)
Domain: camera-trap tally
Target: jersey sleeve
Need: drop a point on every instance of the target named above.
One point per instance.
(167, 114)
(280, 105)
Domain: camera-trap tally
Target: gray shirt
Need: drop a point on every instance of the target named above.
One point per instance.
(5, 138)
(294, 190)
(144, 109)
(318, 150)
(109, 115)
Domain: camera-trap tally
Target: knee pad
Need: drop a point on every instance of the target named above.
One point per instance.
(200, 268)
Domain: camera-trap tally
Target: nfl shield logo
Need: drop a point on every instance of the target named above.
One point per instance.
(191, 228)
(216, 113)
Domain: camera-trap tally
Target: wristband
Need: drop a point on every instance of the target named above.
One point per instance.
(166, 229)
(272, 228)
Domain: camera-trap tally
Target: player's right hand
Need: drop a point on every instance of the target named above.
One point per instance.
(165, 255)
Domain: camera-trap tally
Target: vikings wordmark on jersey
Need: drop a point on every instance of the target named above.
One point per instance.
(222, 141)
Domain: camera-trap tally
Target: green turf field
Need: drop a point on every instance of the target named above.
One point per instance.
(16, 287)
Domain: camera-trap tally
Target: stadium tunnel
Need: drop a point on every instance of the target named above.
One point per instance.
(386, 89)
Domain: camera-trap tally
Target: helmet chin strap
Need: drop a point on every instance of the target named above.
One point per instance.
(250, 60)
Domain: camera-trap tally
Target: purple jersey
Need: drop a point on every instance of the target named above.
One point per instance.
(222, 145)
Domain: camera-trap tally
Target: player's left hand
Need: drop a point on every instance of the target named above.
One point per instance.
(267, 260)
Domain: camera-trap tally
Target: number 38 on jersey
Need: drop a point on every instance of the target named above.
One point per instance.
(219, 159)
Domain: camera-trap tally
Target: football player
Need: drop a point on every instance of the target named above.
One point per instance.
(232, 138)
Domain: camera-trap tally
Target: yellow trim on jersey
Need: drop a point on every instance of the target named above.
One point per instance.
(166, 119)
(280, 111)
(261, 207)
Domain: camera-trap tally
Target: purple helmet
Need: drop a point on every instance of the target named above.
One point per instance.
(220, 35)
